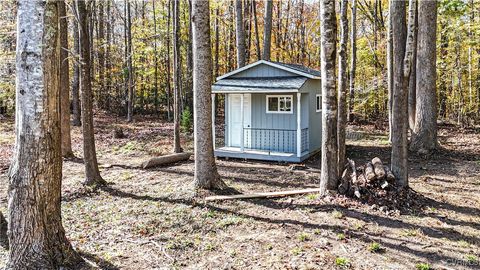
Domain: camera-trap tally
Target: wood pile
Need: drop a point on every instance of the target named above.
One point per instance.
(370, 181)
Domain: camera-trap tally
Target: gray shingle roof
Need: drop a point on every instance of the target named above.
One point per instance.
(259, 84)
(301, 68)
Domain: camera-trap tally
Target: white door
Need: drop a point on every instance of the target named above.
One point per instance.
(235, 118)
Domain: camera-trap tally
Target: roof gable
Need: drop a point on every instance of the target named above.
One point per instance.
(294, 70)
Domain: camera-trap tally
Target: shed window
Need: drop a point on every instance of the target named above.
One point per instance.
(279, 104)
(319, 103)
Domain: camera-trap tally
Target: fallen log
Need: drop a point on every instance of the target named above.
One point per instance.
(378, 168)
(262, 194)
(167, 159)
(369, 172)
(389, 173)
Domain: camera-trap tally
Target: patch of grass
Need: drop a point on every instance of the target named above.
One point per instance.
(464, 243)
(411, 232)
(342, 262)
(303, 237)
(423, 266)
(210, 247)
(359, 226)
(337, 214)
(317, 231)
(341, 236)
(228, 221)
(471, 259)
(375, 247)
(210, 214)
(296, 251)
(126, 175)
(312, 196)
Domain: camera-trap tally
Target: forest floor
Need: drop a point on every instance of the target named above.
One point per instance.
(147, 219)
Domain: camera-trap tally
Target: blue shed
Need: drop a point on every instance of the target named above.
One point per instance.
(272, 112)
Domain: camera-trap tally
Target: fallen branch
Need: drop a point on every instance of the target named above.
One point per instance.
(262, 194)
(167, 159)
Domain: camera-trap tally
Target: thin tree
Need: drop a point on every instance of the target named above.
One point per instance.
(101, 54)
(240, 34)
(36, 234)
(206, 175)
(424, 136)
(176, 76)
(92, 172)
(267, 32)
(76, 108)
(255, 25)
(67, 151)
(155, 57)
(353, 59)
(411, 61)
(130, 93)
(328, 38)
(390, 71)
(342, 86)
(399, 157)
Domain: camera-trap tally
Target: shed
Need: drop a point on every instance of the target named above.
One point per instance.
(272, 112)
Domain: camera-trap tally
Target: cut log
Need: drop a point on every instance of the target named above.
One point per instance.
(378, 168)
(262, 194)
(165, 160)
(361, 181)
(388, 172)
(369, 172)
(345, 181)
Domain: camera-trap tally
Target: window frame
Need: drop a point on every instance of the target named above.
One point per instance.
(318, 101)
(278, 104)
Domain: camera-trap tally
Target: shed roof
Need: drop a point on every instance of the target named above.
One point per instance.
(293, 68)
(259, 84)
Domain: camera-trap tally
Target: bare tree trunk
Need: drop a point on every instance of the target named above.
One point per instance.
(240, 31)
(353, 60)
(176, 76)
(255, 25)
(130, 99)
(442, 91)
(101, 54)
(189, 83)
(390, 70)
(36, 234)
(217, 42)
(399, 160)
(92, 173)
(328, 30)
(169, 90)
(64, 82)
(155, 89)
(411, 61)
(3, 232)
(342, 86)
(206, 175)
(76, 76)
(424, 137)
(267, 32)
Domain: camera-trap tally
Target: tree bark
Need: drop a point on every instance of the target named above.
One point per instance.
(206, 175)
(329, 156)
(399, 157)
(411, 61)
(353, 60)
(267, 33)
(176, 76)
(64, 82)
(240, 34)
(155, 89)
(92, 172)
(3, 232)
(130, 98)
(101, 54)
(390, 70)
(255, 25)
(342, 86)
(76, 76)
(36, 234)
(424, 137)
(169, 90)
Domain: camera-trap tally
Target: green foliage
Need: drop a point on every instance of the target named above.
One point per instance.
(186, 121)
(375, 247)
(423, 266)
(342, 262)
(303, 237)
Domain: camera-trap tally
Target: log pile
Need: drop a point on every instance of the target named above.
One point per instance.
(369, 182)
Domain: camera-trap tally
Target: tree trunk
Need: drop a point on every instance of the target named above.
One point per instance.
(130, 99)
(101, 54)
(255, 25)
(399, 157)
(176, 76)
(92, 173)
(353, 60)
(206, 175)
(411, 61)
(36, 234)
(169, 90)
(328, 30)
(76, 76)
(390, 70)
(267, 33)
(342, 86)
(64, 82)
(240, 31)
(155, 89)
(424, 137)
(3, 232)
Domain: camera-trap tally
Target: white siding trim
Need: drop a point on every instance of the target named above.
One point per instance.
(279, 96)
(270, 64)
(318, 103)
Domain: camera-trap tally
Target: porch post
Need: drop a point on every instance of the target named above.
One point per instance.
(241, 133)
(213, 120)
(299, 124)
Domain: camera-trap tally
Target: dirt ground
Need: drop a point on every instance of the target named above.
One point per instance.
(147, 219)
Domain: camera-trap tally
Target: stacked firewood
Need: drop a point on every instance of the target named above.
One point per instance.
(372, 179)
